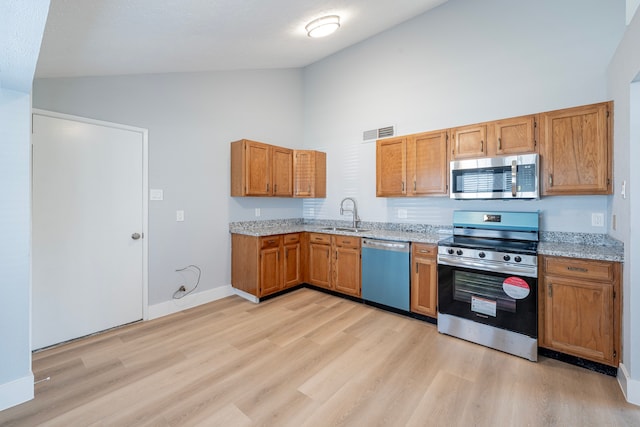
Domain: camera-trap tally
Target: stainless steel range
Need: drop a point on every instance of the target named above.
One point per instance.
(488, 281)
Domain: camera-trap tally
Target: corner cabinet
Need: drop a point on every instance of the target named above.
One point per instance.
(310, 174)
(415, 165)
(579, 308)
(263, 265)
(424, 279)
(263, 170)
(576, 150)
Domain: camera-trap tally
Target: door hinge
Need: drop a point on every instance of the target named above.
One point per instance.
(535, 124)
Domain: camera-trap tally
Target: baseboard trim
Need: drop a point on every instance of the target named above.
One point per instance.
(16, 392)
(176, 305)
(629, 386)
(246, 295)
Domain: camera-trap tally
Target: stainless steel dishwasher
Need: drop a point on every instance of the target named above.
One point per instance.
(385, 273)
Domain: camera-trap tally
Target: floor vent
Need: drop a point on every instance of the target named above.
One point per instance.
(373, 134)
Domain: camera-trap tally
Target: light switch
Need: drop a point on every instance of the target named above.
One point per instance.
(156, 194)
(180, 215)
(597, 220)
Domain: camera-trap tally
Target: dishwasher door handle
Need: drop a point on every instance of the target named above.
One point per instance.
(385, 245)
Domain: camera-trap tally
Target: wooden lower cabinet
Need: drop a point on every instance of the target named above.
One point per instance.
(263, 265)
(579, 308)
(320, 260)
(346, 264)
(424, 279)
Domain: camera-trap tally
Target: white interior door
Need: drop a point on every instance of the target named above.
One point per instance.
(88, 203)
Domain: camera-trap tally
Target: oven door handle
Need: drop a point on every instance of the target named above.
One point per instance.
(488, 266)
(514, 177)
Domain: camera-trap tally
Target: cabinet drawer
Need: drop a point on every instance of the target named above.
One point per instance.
(291, 238)
(269, 242)
(319, 238)
(576, 268)
(347, 241)
(424, 250)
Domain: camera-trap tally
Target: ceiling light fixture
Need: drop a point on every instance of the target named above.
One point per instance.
(323, 26)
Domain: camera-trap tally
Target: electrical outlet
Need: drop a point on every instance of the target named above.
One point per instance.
(180, 215)
(597, 220)
(402, 213)
(257, 212)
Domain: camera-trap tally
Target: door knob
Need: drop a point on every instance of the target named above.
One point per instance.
(135, 236)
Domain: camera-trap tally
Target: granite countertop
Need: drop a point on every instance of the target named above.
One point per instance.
(574, 245)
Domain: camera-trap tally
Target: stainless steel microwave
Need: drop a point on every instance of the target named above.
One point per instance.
(508, 177)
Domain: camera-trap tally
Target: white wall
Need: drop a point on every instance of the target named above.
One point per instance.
(191, 118)
(461, 63)
(15, 229)
(21, 29)
(624, 69)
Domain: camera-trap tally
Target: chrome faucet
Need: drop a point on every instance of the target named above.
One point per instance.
(353, 210)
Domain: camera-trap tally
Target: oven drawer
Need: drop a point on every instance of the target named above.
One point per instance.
(577, 268)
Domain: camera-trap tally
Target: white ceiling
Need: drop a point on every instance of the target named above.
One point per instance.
(110, 37)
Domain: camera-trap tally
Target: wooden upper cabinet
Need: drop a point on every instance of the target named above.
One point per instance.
(250, 168)
(282, 176)
(391, 167)
(310, 174)
(512, 136)
(469, 141)
(576, 150)
(427, 165)
(259, 169)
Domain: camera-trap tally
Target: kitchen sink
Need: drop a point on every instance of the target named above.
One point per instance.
(347, 229)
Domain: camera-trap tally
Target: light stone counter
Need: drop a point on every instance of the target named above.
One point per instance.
(575, 245)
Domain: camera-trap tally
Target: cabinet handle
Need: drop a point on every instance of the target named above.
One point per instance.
(267, 188)
(414, 185)
(580, 269)
(550, 180)
(275, 188)
(336, 255)
(481, 146)
(416, 268)
(500, 144)
(271, 241)
(550, 290)
(424, 251)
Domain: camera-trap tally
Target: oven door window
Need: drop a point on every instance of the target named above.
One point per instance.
(482, 290)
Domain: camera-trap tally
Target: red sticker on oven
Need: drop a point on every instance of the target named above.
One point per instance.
(515, 287)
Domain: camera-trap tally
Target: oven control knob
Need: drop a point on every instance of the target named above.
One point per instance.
(506, 257)
(450, 251)
(459, 252)
(517, 259)
(482, 255)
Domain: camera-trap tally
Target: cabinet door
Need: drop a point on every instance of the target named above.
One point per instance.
(391, 167)
(282, 172)
(320, 265)
(291, 265)
(514, 136)
(427, 166)
(269, 270)
(303, 174)
(469, 141)
(576, 151)
(579, 318)
(257, 169)
(424, 280)
(346, 265)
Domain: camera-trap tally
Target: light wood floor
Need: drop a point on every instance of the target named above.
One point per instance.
(306, 359)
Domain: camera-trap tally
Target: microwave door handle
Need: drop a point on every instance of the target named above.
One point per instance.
(514, 175)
